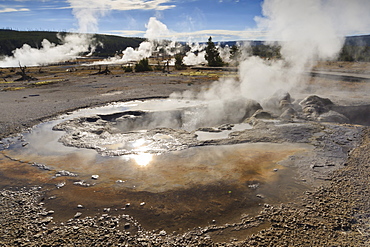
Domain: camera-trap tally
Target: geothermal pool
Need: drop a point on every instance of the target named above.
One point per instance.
(161, 178)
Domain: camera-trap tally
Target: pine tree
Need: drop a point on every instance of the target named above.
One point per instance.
(212, 55)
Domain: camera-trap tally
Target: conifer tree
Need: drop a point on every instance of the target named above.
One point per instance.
(212, 55)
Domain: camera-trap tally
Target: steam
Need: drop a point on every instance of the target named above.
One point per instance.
(196, 55)
(306, 34)
(307, 31)
(72, 44)
(155, 33)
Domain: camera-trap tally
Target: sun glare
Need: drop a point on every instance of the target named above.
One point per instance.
(143, 159)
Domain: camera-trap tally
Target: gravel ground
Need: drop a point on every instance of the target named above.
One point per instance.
(334, 214)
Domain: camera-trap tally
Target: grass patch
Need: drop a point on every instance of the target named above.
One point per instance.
(200, 73)
(41, 83)
(13, 88)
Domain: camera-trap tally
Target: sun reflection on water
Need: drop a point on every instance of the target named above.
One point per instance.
(143, 159)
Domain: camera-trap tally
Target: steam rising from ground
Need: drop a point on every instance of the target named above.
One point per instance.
(72, 44)
(155, 33)
(308, 31)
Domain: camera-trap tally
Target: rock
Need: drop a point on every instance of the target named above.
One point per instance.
(288, 113)
(333, 117)
(46, 220)
(80, 206)
(41, 166)
(82, 183)
(277, 102)
(313, 106)
(209, 129)
(262, 114)
(236, 111)
(254, 186)
(77, 215)
(260, 196)
(65, 173)
(284, 104)
(95, 177)
(163, 233)
(60, 185)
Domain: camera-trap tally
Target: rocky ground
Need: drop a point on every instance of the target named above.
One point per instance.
(335, 213)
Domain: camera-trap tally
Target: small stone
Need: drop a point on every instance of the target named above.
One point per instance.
(95, 176)
(142, 204)
(163, 233)
(46, 220)
(253, 186)
(128, 205)
(260, 196)
(60, 185)
(80, 206)
(275, 170)
(127, 226)
(77, 215)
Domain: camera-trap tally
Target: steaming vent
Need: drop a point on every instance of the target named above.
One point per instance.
(163, 128)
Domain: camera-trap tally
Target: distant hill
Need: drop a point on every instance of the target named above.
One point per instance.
(357, 48)
(361, 40)
(11, 39)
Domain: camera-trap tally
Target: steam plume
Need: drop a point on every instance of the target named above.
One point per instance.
(156, 33)
(71, 46)
(308, 31)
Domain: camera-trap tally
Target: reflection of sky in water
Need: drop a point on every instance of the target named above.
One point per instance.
(143, 170)
(44, 141)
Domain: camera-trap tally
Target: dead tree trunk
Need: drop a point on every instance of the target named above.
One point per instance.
(103, 72)
(24, 76)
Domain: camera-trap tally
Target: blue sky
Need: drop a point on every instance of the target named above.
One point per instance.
(194, 19)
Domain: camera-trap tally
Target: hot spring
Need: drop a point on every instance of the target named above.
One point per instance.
(160, 161)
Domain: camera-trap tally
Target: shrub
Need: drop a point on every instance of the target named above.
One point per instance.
(127, 69)
(179, 64)
(143, 65)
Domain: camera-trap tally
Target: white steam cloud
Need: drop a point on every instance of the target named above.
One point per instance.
(72, 45)
(308, 31)
(156, 33)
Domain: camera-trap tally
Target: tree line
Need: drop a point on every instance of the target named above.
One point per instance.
(11, 40)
